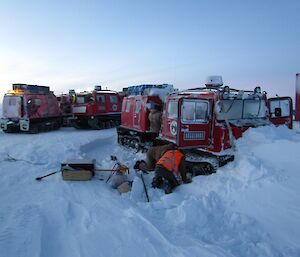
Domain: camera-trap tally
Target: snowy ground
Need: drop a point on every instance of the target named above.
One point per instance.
(250, 207)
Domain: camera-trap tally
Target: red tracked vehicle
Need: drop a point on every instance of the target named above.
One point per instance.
(204, 122)
(98, 109)
(30, 108)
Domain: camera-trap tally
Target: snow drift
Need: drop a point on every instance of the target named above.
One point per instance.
(251, 207)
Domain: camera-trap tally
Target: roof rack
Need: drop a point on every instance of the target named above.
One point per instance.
(35, 89)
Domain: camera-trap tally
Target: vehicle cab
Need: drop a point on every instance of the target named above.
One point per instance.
(211, 118)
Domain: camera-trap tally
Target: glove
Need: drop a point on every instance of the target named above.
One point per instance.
(188, 180)
(157, 182)
(137, 165)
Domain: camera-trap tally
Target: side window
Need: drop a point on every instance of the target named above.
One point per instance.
(100, 98)
(80, 100)
(50, 101)
(173, 109)
(137, 106)
(37, 102)
(254, 109)
(113, 99)
(127, 107)
(194, 111)
(230, 109)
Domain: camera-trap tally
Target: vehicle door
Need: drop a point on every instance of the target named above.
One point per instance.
(137, 114)
(281, 111)
(170, 121)
(101, 103)
(195, 123)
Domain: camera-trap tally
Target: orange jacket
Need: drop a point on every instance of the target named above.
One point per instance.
(171, 160)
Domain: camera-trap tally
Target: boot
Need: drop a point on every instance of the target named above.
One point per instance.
(157, 182)
(167, 187)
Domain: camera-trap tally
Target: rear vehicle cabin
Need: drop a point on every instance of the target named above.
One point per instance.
(97, 109)
(30, 108)
(141, 114)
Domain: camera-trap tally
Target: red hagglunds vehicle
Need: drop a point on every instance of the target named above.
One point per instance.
(30, 108)
(98, 109)
(205, 122)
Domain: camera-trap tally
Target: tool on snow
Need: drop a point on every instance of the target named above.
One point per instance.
(143, 181)
(117, 169)
(52, 173)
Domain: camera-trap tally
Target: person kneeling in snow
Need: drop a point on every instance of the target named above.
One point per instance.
(153, 155)
(169, 170)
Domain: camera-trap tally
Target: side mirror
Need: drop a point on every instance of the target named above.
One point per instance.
(277, 112)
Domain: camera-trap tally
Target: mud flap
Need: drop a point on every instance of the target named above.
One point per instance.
(24, 125)
(3, 124)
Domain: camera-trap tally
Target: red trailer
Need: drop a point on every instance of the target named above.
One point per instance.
(30, 108)
(97, 109)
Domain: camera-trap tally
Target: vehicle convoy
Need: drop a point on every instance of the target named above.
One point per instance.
(204, 122)
(30, 108)
(98, 109)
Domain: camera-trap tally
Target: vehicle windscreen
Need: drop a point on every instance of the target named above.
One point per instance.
(238, 109)
(83, 99)
(194, 111)
(12, 106)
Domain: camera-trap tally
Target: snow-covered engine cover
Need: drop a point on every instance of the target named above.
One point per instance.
(214, 81)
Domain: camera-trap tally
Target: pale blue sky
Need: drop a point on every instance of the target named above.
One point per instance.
(77, 44)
